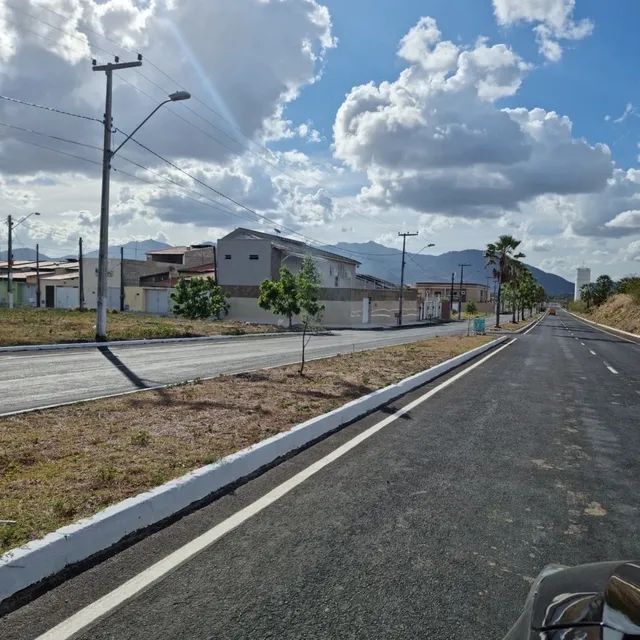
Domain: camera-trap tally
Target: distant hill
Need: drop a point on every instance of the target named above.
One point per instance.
(23, 253)
(384, 262)
(134, 250)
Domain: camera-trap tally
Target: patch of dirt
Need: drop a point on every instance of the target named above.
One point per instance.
(595, 509)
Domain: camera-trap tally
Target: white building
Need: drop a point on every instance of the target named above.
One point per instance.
(583, 276)
(247, 258)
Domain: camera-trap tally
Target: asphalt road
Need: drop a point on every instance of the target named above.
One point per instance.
(31, 380)
(433, 527)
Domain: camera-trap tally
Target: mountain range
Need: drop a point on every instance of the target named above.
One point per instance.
(24, 253)
(385, 262)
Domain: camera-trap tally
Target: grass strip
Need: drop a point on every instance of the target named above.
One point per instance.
(59, 465)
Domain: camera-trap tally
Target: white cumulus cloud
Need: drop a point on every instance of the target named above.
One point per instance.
(434, 140)
(553, 21)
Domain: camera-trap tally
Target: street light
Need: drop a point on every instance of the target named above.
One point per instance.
(107, 156)
(11, 226)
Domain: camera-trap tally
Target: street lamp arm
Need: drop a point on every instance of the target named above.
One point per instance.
(33, 213)
(113, 153)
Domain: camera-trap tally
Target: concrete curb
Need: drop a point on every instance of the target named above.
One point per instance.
(139, 343)
(40, 559)
(604, 326)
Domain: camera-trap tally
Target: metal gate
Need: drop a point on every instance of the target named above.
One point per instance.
(157, 301)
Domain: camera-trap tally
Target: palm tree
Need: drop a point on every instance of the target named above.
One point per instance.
(502, 256)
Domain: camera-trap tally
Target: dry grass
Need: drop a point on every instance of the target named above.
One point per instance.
(62, 464)
(619, 311)
(43, 326)
(513, 326)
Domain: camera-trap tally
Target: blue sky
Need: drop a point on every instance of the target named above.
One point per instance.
(597, 76)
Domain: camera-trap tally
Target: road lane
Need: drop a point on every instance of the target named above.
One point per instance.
(432, 527)
(39, 379)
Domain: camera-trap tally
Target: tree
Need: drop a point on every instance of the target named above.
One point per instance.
(604, 287)
(293, 295)
(586, 294)
(199, 298)
(281, 296)
(471, 308)
(502, 255)
(631, 286)
(308, 291)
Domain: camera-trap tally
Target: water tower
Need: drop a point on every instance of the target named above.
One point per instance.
(583, 276)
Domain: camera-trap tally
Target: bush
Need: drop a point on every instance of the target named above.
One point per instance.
(471, 308)
(199, 298)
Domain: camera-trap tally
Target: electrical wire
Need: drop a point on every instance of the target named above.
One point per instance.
(152, 64)
(47, 135)
(53, 109)
(64, 153)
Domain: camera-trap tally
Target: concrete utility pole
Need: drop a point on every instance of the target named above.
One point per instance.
(107, 156)
(121, 278)
(10, 263)
(453, 284)
(38, 275)
(404, 248)
(11, 225)
(462, 266)
(80, 277)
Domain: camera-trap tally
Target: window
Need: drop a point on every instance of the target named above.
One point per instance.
(227, 256)
(336, 281)
(253, 256)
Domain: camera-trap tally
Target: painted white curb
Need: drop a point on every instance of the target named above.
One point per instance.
(604, 326)
(39, 559)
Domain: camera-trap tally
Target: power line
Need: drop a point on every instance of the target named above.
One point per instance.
(234, 201)
(222, 131)
(54, 109)
(64, 153)
(47, 135)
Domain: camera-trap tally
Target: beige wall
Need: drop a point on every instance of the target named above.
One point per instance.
(342, 307)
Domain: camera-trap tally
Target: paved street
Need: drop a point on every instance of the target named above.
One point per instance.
(433, 527)
(38, 379)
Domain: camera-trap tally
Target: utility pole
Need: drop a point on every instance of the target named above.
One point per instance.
(453, 284)
(404, 248)
(81, 276)
(103, 250)
(38, 276)
(107, 155)
(121, 278)
(462, 266)
(10, 264)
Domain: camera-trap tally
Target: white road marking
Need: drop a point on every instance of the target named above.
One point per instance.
(583, 344)
(101, 607)
(610, 368)
(533, 326)
(593, 353)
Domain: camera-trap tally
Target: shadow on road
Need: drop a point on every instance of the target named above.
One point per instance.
(121, 366)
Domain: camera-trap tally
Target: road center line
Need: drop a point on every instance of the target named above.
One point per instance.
(610, 368)
(101, 607)
(593, 353)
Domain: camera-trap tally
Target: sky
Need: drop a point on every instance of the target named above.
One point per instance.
(332, 121)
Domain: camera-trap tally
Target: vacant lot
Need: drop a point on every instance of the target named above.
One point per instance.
(43, 326)
(62, 464)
